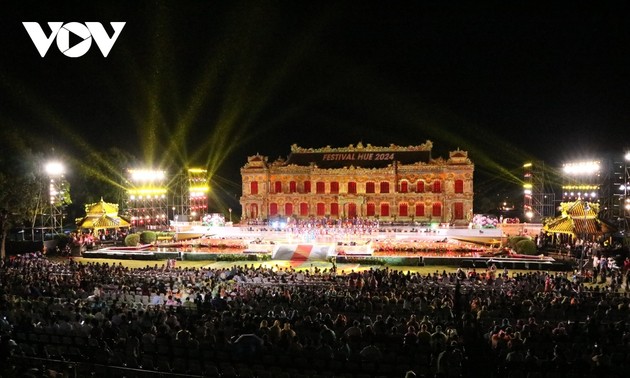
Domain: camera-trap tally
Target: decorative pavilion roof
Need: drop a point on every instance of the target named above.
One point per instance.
(579, 219)
(101, 207)
(101, 215)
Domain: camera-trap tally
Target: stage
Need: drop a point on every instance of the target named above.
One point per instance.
(401, 246)
(302, 255)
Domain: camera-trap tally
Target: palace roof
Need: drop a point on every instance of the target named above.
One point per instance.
(579, 219)
(101, 215)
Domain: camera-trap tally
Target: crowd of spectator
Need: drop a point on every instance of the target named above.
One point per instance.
(257, 321)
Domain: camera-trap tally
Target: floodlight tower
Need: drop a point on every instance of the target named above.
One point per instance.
(198, 188)
(53, 222)
(624, 193)
(538, 197)
(181, 198)
(582, 181)
(190, 200)
(587, 209)
(147, 198)
(607, 194)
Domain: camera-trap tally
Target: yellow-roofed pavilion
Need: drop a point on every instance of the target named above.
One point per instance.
(100, 216)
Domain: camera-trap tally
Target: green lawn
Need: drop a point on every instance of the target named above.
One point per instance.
(424, 270)
(279, 263)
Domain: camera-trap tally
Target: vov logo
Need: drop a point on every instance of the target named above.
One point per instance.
(61, 32)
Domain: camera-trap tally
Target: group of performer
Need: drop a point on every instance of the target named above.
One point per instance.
(325, 228)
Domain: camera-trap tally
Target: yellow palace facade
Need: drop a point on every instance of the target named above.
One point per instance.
(391, 183)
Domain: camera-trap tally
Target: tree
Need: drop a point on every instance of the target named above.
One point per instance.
(20, 185)
(132, 240)
(526, 247)
(148, 237)
(523, 245)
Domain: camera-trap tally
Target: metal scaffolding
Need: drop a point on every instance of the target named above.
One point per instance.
(620, 202)
(539, 198)
(607, 185)
(53, 212)
(147, 202)
(181, 198)
(198, 188)
(190, 195)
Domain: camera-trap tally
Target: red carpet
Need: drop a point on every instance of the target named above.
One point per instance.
(301, 254)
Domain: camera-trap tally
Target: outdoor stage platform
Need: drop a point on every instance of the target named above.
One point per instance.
(301, 254)
(441, 246)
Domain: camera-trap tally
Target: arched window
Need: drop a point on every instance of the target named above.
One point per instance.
(288, 209)
(459, 186)
(404, 186)
(273, 209)
(458, 210)
(420, 187)
(321, 209)
(253, 211)
(419, 209)
(253, 187)
(352, 210)
(437, 209)
(303, 209)
(403, 209)
(371, 209)
(352, 187)
(437, 186)
(384, 187)
(277, 187)
(307, 186)
(320, 187)
(334, 209)
(292, 187)
(384, 209)
(369, 187)
(334, 187)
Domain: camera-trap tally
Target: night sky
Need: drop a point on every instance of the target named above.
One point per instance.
(210, 82)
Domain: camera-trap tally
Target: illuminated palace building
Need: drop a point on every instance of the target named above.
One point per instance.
(389, 183)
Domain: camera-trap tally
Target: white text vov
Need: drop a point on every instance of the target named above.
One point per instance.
(61, 32)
